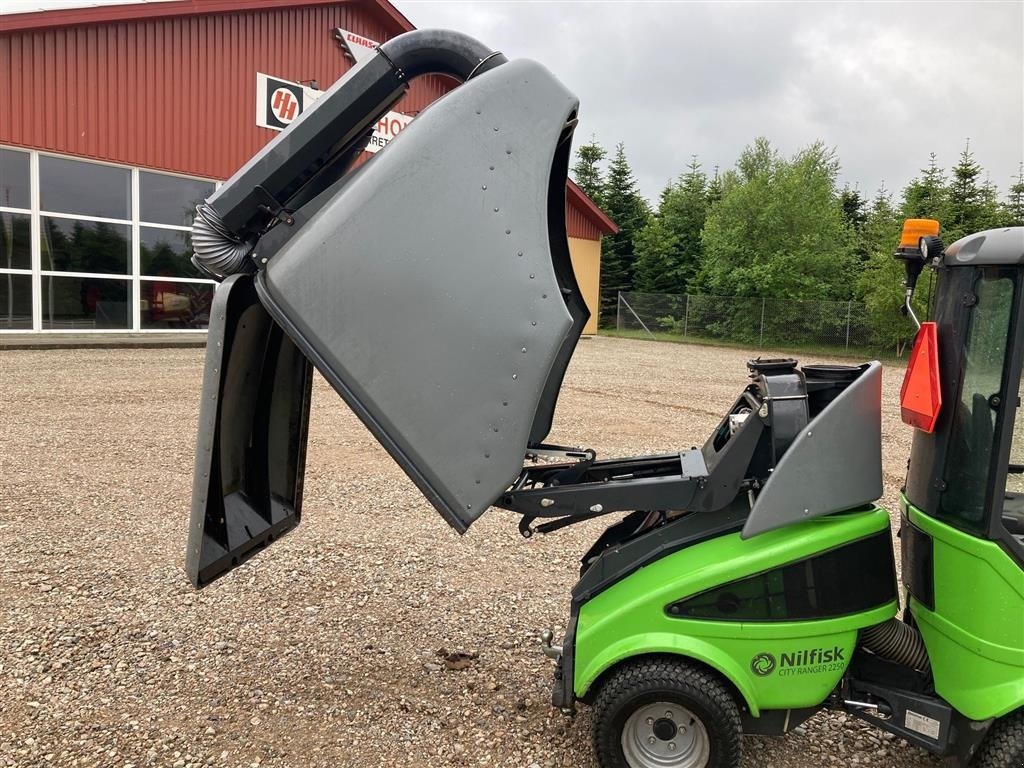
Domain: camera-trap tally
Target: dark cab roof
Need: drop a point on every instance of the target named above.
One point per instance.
(993, 247)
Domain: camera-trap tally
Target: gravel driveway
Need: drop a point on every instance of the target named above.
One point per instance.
(328, 649)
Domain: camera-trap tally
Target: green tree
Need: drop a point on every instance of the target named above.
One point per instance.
(973, 203)
(586, 171)
(854, 208)
(714, 193)
(625, 206)
(880, 282)
(926, 197)
(1013, 208)
(778, 231)
(855, 214)
(668, 248)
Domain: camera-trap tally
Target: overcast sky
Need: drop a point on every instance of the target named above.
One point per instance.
(884, 83)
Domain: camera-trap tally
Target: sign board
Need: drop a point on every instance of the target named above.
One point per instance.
(356, 47)
(387, 128)
(279, 102)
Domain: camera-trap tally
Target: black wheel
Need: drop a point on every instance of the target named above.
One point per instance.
(665, 713)
(1004, 745)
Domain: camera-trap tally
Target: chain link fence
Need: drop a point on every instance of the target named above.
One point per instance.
(753, 322)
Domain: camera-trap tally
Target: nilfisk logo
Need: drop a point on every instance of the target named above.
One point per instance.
(808, 661)
(763, 664)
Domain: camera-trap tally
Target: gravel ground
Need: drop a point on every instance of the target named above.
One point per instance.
(327, 650)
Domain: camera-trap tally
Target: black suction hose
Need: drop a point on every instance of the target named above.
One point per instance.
(897, 641)
(440, 52)
(317, 149)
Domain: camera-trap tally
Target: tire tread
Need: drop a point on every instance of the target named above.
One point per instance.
(1004, 745)
(636, 677)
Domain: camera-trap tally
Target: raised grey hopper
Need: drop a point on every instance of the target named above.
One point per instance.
(450, 346)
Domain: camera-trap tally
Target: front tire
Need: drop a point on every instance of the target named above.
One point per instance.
(665, 713)
(1004, 745)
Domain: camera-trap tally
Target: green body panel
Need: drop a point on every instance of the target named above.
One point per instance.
(629, 619)
(975, 635)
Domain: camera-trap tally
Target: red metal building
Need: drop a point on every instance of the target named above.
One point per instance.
(119, 118)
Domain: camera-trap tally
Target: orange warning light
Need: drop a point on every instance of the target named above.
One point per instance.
(915, 229)
(921, 395)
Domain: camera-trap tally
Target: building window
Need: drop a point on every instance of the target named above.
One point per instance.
(15, 241)
(92, 246)
(87, 189)
(170, 297)
(85, 303)
(170, 200)
(14, 180)
(74, 245)
(15, 302)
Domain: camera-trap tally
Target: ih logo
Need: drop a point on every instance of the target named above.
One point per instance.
(284, 102)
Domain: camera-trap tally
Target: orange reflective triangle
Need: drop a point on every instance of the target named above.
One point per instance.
(921, 395)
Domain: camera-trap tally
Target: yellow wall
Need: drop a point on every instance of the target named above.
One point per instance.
(586, 263)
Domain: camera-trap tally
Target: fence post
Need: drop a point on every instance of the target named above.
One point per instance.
(633, 312)
(849, 308)
(763, 302)
(686, 316)
(618, 310)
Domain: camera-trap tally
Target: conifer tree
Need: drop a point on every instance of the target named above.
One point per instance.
(972, 202)
(668, 248)
(1013, 209)
(586, 171)
(624, 205)
(926, 196)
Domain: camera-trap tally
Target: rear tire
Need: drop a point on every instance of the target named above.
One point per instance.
(665, 713)
(1004, 745)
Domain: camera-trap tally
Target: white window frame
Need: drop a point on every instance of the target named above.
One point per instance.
(133, 276)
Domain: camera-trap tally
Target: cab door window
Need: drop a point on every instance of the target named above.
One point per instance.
(969, 461)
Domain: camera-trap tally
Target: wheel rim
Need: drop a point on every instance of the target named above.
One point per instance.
(665, 735)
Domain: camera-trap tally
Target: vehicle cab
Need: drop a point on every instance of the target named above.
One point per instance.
(963, 504)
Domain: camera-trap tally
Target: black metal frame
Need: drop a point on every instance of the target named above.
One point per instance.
(880, 692)
(737, 459)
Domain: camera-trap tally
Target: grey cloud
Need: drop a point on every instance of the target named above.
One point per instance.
(885, 83)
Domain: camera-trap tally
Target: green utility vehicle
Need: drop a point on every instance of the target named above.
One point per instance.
(751, 581)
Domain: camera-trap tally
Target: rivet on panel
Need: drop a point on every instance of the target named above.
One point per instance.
(508, 151)
(484, 187)
(543, 295)
(534, 322)
(487, 455)
(508, 231)
(495, 127)
(524, 350)
(519, 254)
(495, 210)
(505, 403)
(515, 376)
(532, 276)
(495, 429)
(492, 167)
